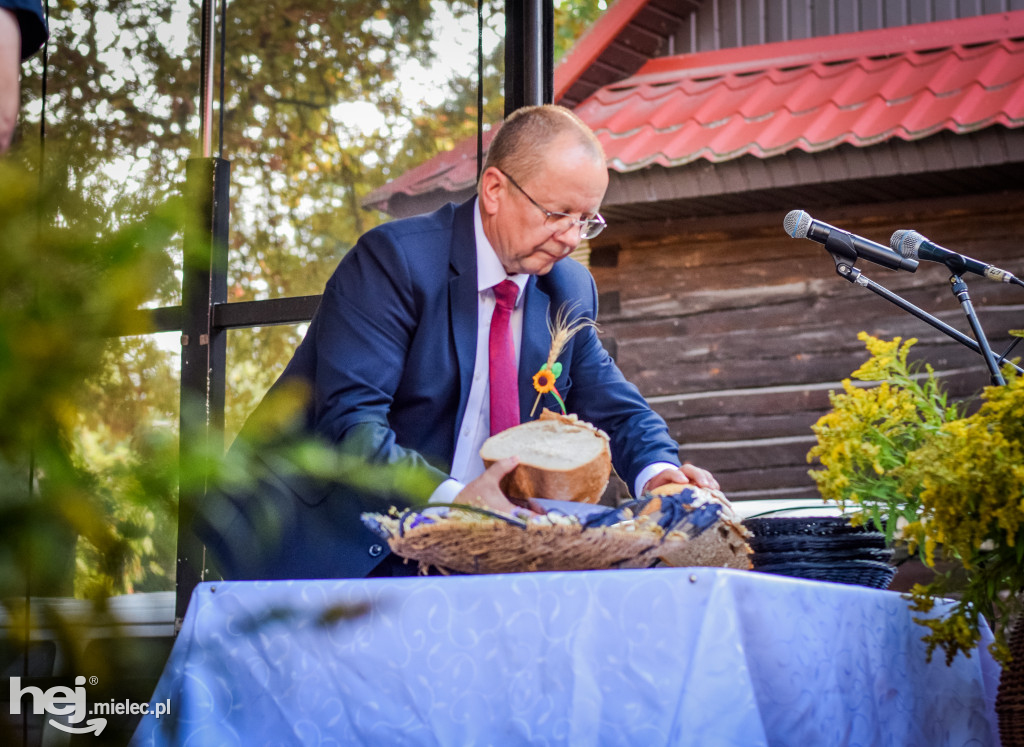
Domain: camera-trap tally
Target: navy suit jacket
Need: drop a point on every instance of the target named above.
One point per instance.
(389, 359)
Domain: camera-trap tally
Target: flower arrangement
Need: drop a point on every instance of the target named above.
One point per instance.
(952, 484)
(864, 442)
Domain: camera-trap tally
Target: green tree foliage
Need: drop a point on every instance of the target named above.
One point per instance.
(572, 19)
(318, 111)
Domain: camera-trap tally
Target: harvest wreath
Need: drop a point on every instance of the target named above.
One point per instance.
(693, 527)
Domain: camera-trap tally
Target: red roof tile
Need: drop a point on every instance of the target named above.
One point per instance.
(815, 94)
(764, 100)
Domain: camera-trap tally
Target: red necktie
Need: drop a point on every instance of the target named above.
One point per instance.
(502, 360)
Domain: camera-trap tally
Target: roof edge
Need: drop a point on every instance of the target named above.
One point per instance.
(593, 43)
(917, 37)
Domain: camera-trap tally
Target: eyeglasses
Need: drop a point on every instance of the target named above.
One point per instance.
(590, 225)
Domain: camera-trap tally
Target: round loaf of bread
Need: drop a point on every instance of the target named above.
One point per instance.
(560, 457)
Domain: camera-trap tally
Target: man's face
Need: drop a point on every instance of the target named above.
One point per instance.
(524, 238)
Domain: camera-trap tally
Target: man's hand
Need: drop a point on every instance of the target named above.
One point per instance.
(485, 491)
(685, 475)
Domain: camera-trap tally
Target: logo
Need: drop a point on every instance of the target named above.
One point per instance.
(69, 703)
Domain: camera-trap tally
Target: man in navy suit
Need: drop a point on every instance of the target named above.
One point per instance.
(396, 357)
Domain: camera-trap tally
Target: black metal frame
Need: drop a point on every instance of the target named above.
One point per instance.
(205, 316)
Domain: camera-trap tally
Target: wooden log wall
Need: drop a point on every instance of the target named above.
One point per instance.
(736, 332)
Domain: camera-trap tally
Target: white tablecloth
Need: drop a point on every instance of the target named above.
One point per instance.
(628, 657)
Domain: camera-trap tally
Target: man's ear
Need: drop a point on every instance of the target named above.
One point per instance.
(492, 188)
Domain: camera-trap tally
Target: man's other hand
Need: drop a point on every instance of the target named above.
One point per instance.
(685, 475)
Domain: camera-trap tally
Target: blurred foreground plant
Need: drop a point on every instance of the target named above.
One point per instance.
(68, 284)
(85, 509)
(71, 282)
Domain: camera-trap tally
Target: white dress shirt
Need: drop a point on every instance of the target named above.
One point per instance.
(476, 421)
(475, 427)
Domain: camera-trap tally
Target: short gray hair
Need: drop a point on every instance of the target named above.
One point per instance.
(519, 147)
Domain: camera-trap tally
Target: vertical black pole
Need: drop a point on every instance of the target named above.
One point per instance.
(203, 346)
(529, 53)
(204, 284)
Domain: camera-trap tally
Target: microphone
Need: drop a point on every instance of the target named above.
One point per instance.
(800, 225)
(915, 246)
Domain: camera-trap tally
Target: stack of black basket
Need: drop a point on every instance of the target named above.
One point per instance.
(825, 548)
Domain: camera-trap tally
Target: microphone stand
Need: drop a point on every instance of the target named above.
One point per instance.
(845, 269)
(959, 288)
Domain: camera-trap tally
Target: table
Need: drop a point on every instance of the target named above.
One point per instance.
(698, 656)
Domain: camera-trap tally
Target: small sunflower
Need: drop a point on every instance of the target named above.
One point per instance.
(544, 381)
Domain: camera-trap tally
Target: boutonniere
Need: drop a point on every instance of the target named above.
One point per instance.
(562, 327)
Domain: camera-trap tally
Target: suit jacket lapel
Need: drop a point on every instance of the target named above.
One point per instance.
(462, 302)
(536, 344)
